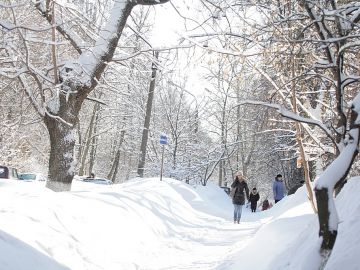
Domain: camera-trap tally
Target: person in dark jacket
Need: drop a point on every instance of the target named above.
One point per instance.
(254, 197)
(241, 190)
(278, 188)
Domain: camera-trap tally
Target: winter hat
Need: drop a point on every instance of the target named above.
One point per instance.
(278, 176)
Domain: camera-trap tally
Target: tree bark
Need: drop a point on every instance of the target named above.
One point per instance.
(299, 140)
(61, 161)
(145, 134)
(324, 190)
(94, 141)
(329, 235)
(89, 139)
(115, 165)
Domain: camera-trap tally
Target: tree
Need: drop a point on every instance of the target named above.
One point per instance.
(73, 81)
(313, 48)
(145, 133)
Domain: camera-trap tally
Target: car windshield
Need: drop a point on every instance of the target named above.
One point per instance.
(2, 172)
(28, 176)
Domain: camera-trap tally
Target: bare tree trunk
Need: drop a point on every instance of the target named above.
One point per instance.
(94, 140)
(92, 156)
(89, 140)
(145, 134)
(53, 47)
(115, 165)
(223, 142)
(300, 142)
(79, 155)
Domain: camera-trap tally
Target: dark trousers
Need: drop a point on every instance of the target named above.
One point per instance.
(253, 206)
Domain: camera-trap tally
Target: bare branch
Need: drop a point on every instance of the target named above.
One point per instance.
(290, 115)
(150, 2)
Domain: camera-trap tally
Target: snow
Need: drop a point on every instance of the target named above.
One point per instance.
(152, 224)
(90, 59)
(356, 104)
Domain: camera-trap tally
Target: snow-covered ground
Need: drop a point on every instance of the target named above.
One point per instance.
(152, 224)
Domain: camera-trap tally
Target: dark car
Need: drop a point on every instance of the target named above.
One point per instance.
(8, 173)
(226, 189)
(97, 180)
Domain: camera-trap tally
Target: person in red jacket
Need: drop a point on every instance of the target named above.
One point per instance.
(254, 197)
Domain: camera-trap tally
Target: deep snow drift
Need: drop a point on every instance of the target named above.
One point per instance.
(148, 224)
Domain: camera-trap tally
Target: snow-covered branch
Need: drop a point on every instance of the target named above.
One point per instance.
(150, 2)
(62, 27)
(290, 115)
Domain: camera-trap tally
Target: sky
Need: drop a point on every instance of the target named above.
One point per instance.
(168, 31)
(161, 225)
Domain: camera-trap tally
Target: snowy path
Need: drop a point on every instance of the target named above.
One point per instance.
(140, 225)
(209, 245)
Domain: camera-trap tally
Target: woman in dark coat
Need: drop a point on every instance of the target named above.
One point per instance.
(254, 197)
(241, 190)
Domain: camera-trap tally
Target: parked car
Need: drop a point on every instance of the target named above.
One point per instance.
(97, 180)
(8, 173)
(32, 177)
(79, 178)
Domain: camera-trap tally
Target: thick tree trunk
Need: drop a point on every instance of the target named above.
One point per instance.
(61, 162)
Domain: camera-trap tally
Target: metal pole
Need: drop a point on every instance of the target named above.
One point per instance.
(162, 162)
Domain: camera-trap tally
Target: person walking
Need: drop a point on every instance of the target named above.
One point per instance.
(240, 190)
(254, 197)
(278, 188)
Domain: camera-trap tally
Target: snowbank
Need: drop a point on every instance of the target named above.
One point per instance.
(142, 224)
(289, 237)
(152, 224)
(346, 251)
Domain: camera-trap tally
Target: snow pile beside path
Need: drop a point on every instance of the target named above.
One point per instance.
(289, 238)
(287, 226)
(214, 201)
(345, 254)
(142, 224)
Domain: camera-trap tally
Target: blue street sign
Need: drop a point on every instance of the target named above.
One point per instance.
(163, 139)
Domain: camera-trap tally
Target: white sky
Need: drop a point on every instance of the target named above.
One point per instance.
(168, 30)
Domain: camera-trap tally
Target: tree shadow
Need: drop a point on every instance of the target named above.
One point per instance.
(17, 255)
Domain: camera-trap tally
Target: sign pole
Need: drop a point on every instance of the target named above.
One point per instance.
(162, 162)
(163, 141)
